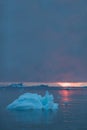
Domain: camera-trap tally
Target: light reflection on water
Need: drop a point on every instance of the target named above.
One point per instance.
(66, 106)
(73, 107)
(65, 95)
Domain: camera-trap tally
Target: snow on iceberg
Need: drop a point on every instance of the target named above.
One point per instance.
(34, 101)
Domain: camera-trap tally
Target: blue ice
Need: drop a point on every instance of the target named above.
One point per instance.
(34, 101)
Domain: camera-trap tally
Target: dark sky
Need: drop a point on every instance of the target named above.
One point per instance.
(43, 40)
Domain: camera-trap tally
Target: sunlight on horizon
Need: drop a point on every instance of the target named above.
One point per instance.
(61, 84)
(72, 84)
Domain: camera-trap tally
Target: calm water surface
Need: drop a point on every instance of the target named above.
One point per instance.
(71, 115)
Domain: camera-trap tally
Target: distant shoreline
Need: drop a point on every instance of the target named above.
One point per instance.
(50, 84)
(44, 87)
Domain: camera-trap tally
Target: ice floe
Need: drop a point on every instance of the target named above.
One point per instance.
(34, 101)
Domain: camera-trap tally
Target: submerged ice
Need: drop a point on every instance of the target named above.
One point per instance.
(34, 101)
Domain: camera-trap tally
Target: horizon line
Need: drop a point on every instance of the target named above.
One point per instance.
(59, 83)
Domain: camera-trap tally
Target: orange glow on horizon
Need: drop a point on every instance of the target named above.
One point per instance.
(72, 84)
(65, 84)
(57, 84)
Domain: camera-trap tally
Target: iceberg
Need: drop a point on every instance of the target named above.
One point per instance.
(16, 85)
(34, 101)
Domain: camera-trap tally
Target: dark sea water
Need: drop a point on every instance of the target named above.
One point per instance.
(71, 114)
